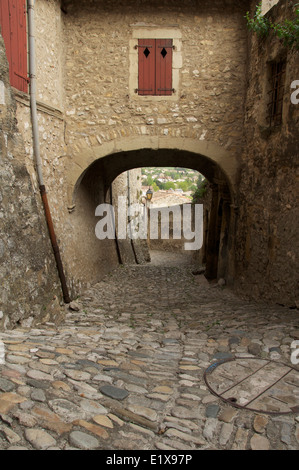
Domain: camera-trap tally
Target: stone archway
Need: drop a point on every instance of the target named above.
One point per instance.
(208, 157)
(92, 170)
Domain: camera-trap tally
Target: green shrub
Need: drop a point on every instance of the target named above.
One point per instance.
(259, 23)
(288, 31)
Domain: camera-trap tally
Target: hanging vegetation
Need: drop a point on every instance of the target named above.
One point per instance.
(288, 31)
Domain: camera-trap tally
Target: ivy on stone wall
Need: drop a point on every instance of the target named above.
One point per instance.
(288, 31)
(259, 23)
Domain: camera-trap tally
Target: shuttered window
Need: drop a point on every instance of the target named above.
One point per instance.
(13, 30)
(155, 67)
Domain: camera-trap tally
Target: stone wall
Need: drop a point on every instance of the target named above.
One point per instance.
(128, 186)
(102, 110)
(268, 219)
(29, 284)
(84, 257)
(267, 5)
(50, 100)
(171, 230)
(86, 73)
(210, 40)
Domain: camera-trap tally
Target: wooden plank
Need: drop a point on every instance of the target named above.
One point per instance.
(14, 79)
(22, 45)
(146, 67)
(5, 27)
(13, 26)
(164, 67)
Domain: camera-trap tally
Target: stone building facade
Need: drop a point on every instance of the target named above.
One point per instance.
(268, 219)
(94, 125)
(29, 282)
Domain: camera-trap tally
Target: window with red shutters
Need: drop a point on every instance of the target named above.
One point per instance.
(13, 30)
(155, 67)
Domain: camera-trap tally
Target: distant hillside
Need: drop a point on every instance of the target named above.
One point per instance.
(170, 178)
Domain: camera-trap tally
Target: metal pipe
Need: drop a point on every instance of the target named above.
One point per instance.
(36, 149)
(33, 106)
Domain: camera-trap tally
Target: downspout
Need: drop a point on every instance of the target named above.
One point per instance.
(36, 149)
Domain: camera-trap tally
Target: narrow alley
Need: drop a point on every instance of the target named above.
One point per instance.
(127, 369)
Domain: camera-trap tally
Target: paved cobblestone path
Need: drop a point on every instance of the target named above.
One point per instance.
(125, 370)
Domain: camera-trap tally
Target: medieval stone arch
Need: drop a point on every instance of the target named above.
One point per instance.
(93, 168)
(118, 155)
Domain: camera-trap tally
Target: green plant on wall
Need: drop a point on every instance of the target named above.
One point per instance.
(288, 31)
(259, 23)
(201, 190)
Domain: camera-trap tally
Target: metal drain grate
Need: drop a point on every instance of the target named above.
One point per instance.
(255, 384)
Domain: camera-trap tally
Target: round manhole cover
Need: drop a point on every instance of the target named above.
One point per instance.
(255, 384)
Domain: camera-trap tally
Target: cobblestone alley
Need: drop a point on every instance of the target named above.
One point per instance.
(126, 370)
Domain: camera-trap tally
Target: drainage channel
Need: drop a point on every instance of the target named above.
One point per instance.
(255, 384)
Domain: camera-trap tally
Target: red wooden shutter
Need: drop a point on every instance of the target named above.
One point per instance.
(164, 67)
(146, 66)
(13, 26)
(5, 27)
(155, 67)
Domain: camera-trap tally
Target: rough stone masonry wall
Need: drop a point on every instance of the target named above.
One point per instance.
(209, 58)
(29, 284)
(128, 186)
(267, 232)
(84, 59)
(101, 106)
(50, 75)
